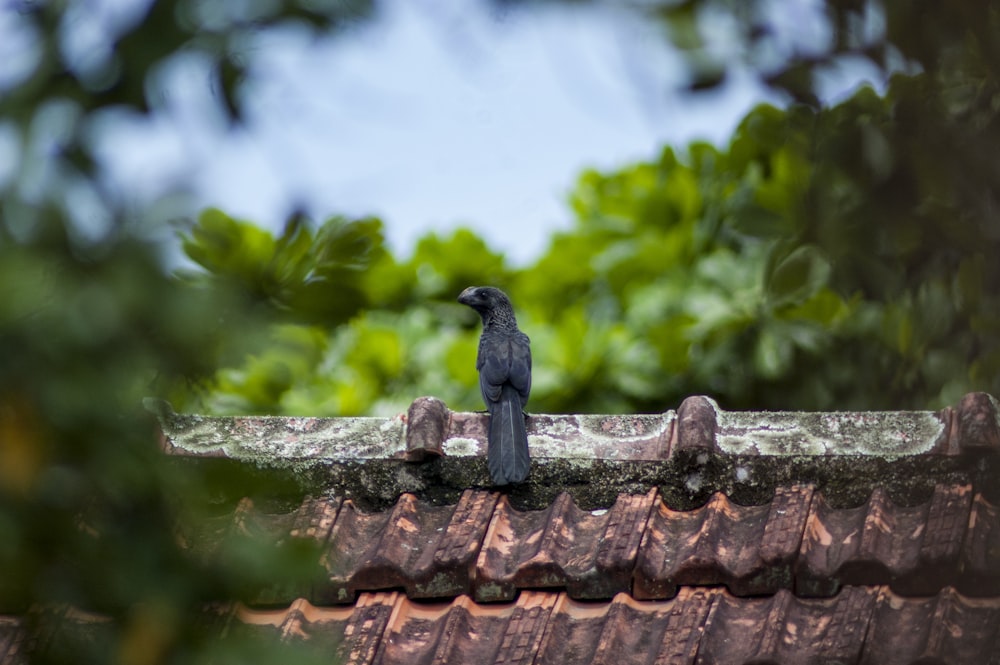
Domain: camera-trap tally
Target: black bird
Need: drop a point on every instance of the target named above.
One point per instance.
(504, 364)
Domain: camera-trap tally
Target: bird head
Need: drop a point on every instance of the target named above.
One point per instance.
(484, 299)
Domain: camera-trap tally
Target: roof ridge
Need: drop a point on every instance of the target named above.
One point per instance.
(691, 452)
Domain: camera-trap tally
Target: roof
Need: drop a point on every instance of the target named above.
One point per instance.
(688, 454)
(695, 536)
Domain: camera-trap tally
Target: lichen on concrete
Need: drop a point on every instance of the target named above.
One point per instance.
(458, 446)
(271, 440)
(780, 433)
(624, 427)
(593, 457)
(599, 436)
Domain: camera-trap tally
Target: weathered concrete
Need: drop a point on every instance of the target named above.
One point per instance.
(689, 454)
(880, 434)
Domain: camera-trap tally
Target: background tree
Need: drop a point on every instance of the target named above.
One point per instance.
(92, 322)
(900, 193)
(727, 273)
(830, 257)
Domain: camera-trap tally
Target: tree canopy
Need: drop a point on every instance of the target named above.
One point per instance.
(792, 270)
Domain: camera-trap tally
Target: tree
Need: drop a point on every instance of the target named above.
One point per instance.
(781, 273)
(92, 322)
(831, 257)
(900, 191)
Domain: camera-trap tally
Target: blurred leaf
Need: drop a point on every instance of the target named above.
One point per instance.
(312, 278)
(23, 451)
(759, 222)
(446, 266)
(772, 353)
(231, 248)
(795, 276)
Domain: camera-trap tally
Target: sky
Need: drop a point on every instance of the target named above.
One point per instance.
(431, 120)
(431, 116)
(434, 121)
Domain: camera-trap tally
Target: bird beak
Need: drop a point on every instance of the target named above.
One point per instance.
(468, 296)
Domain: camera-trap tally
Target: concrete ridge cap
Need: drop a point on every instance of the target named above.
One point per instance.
(698, 427)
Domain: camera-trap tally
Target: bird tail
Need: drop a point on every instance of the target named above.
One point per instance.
(507, 453)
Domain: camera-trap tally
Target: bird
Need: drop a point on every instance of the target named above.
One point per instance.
(504, 365)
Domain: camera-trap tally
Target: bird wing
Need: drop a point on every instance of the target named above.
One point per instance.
(504, 359)
(520, 366)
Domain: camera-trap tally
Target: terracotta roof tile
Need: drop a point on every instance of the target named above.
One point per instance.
(464, 632)
(298, 621)
(703, 626)
(428, 550)
(696, 424)
(484, 547)
(591, 554)
(13, 636)
(977, 423)
(751, 549)
(917, 550)
(944, 628)
(627, 631)
(216, 539)
(980, 560)
(785, 629)
(367, 625)
(700, 536)
(314, 518)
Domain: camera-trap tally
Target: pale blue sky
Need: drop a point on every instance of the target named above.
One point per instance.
(434, 121)
(431, 119)
(432, 116)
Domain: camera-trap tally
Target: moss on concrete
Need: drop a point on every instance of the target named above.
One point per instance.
(882, 434)
(845, 455)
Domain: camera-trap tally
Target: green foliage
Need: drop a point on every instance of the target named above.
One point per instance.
(83, 341)
(92, 323)
(313, 277)
(769, 275)
(445, 266)
(375, 330)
